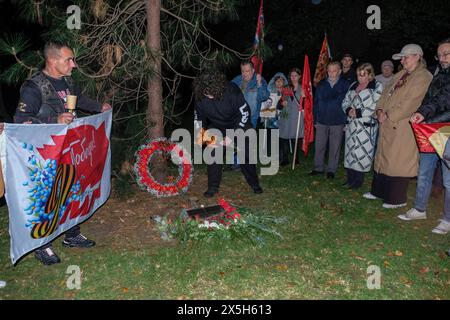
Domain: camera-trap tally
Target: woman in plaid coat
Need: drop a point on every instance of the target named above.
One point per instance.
(362, 128)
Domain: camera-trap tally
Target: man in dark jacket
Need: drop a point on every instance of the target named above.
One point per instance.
(43, 100)
(221, 105)
(329, 119)
(435, 108)
(348, 72)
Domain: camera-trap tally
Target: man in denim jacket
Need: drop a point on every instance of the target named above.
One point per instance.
(254, 88)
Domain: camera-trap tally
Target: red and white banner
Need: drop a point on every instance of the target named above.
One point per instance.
(56, 176)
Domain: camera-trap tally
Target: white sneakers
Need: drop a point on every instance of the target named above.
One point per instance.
(369, 196)
(442, 228)
(393, 206)
(413, 214)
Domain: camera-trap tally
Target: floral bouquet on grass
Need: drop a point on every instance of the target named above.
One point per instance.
(227, 225)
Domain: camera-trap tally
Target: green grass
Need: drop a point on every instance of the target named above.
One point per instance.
(331, 237)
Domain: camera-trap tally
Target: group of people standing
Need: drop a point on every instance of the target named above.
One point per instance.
(376, 113)
(373, 112)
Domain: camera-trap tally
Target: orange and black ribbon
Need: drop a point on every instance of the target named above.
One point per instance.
(65, 178)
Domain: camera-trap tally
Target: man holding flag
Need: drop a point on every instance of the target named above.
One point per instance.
(254, 88)
(43, 99)
(435, 108)
(250, 81)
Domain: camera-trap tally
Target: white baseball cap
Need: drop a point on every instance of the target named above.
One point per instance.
(407, 50)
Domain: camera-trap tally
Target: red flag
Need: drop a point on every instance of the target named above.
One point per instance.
(432, 137)
(324, 58)
(258, 43)
(308, 136)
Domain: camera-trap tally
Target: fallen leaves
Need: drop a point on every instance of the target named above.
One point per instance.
(406, 281)
(282, 267)
(424, 270)
(396, 253)
(353, 254)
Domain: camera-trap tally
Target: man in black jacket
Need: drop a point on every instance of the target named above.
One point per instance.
(435, 108)
(43, 100)
(221, 105)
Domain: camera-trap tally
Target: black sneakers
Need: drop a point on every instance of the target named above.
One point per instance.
(78, 241)
(47, 256)
(315, 173)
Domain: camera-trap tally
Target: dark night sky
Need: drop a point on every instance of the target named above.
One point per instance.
(299, 25)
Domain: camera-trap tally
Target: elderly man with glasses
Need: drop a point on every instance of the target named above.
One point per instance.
(435, 108)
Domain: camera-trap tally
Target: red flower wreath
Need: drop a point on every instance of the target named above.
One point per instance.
(147, 182)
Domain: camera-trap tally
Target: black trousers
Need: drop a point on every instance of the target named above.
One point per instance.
(268, 145)
(393, 190)
(215, 172)
(72, 232)
(355, 179)
(285, 150)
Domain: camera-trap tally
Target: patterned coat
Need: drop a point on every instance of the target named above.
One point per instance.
(361, 132)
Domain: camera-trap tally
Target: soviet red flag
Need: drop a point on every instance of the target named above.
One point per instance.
(308, 136)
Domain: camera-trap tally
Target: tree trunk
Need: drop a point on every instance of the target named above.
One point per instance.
(155, 113)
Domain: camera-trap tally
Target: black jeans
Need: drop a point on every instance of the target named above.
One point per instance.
(285, 150)
(72, 232)
(249, 170)
(355, 179)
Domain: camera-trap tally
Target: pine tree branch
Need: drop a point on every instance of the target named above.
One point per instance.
(20, 62)
(238, 54)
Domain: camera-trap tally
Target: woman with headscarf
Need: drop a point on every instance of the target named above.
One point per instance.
(275, 87)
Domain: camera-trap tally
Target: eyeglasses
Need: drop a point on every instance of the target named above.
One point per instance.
(441, 55)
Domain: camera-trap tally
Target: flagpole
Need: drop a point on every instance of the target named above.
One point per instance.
(265, 134)
(296, 135)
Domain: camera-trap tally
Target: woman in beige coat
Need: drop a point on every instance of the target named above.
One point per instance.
(397, 156)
